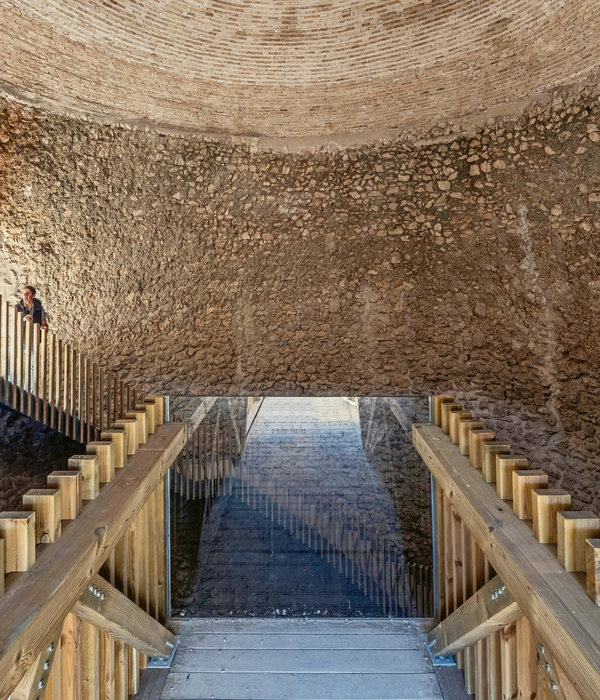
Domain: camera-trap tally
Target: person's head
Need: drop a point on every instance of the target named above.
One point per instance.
(28, 294)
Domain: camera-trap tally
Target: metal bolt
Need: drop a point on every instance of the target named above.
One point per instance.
(547, 667)
(51, 647)
(542, 650)
(553, 685)
(91, 588)
(46, 665)
(41, 683)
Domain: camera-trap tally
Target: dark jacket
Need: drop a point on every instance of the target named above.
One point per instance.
(37, 311)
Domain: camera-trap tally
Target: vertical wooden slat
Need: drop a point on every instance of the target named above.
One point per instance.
(95, 432)
(102, 401)
(508, 651)
(106, 672)
(71, 658)
(494, 665)
(3, 350)
(80, 398)
(53, 687)
(439, 540)
(90, 671)
(89, 419)
(121, 670)
(527, 661)
(153, 555)
(109, 417)
(51, 398)
(162, 552)
(34, 404)
(26, 402)
(67, 388)
(58, 384)
(448, 565)
(19, 403)
(43, 402)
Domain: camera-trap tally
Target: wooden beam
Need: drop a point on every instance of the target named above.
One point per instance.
(489, 609)
(35, 603)
(110, 611)
(554, 602)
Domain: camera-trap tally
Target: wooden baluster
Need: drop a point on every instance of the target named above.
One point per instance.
(89, 414)
(3, 351)
(527, 660)
(494, 666)
(467, 591)
(89, 466)
(439, 540)
(106, 671)
(2, 567)
(67, 388)
(71, 659)
(523, 484)
(43, 388)
(464, 426)
(26, 403)
(490, 450)
(53, 687)
(47, 506)
(70, 485)
(51, 399)
(153, 555)
(573, 528)
(479, 579)
(60, 401)
(81, 392)
(446, 407)
(20, 402)
(457, 581)
(437, 407)
(163, 553)
(73, 392)
(508, 653)
(476, 439)
(545, 504)
(118, 437)
(34, 405)
(592, 569)
(90, 662)
(106, 458)
(101, 401)
(17, 529)
(121, 668)
(505, 466)
(129, 425)
(456, 415)
(448, 557)
(110, 419)
(95, 417)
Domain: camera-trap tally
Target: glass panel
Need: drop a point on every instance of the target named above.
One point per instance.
(301, 507)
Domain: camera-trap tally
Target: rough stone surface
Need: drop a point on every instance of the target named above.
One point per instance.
(215, 268)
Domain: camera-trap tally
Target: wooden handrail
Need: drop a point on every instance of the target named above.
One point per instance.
(553, 600)
(36, 602)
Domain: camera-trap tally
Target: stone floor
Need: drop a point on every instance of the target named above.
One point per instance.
(306, 527)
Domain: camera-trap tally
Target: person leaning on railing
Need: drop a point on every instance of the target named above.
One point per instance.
(31, 307)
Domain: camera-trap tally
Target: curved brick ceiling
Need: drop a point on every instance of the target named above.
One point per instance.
(292, 67)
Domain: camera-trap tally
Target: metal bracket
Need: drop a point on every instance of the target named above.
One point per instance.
(440, 660)
(158, 662)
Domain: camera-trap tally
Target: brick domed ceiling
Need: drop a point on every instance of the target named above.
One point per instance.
(292, 67)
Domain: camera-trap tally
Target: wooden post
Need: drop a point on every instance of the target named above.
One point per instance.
(456, 415)
(2, 567)
(89, 467)
(437, 407)
(439, 542)
(545, 504)
(523, 484)
(118, 438)
(464, 426)
(90, 670)
(34, 405)
(46, 504)
(494, 665)
(121, 668)
(159, 402)
(573, 528)
(592, 569)
(476, 439)
(150, 411)
(505, 466)
(107, 667)
(446, 407)
(140, 416)
(17, 529)
(448, 563)
(70, 485)
(106, 458)
(18, 350)
(43, 402)
(490, 450)
(129, 425)
(26, 395)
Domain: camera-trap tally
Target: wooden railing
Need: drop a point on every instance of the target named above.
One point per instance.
(83, 570)
(47, 379)
(518, 574)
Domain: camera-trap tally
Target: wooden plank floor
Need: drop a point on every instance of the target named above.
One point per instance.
(227, 659)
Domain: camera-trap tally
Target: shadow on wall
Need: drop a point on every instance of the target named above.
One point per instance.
(28, 453)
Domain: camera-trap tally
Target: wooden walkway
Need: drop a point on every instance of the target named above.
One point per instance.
(301, 659)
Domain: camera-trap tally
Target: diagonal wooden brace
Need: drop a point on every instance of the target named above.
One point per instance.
(109, 610)
(488, 610)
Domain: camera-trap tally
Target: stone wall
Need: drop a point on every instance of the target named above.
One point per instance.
(460, 261)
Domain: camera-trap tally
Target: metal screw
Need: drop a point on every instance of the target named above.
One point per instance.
(548, 668)
(46, 665)
(41, 683)
(542, 650)
(51, 647)
(553, 685)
